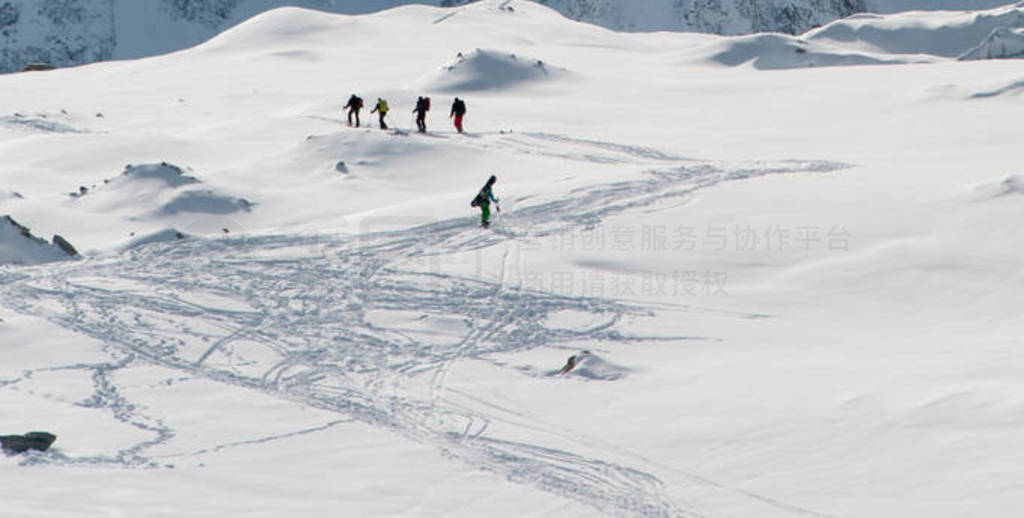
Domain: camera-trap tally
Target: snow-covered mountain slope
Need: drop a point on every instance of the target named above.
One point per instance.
(898, 6)
(711, 16)
(947, 34)
(913, 37)
(72, 32)
(799, 290)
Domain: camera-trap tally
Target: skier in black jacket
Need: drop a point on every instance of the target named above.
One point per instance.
(421, 109)
(458, 111)
(355, 103)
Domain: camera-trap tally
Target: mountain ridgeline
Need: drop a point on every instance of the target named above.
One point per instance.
(727, 17)
(63, 33)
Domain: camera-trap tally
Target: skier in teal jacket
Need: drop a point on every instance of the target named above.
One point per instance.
(483, 200)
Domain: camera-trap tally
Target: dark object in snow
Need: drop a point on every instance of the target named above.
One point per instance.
(25, 232)
(64, 245)
(37, 67)
(341, 167)
(573, 361)
(31, 441)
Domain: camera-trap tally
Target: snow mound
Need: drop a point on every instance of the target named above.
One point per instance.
(488, 69)
(19, 246)
(144, 185)
(160, 236)
(1004, 42)
(944, 33)
(588, 365)
(167, 174)
(1009, 186)
(207, 202)
(779, 51)
(157, 189)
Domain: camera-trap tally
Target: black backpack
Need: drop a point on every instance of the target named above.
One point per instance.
(479, 200)
(484, 194)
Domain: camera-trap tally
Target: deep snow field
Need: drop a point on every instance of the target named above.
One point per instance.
(798, 285)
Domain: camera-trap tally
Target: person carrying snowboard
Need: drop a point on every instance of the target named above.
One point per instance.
(382, 109)
(483, 200)
(458, 111)
(421, 109)
(355, 103)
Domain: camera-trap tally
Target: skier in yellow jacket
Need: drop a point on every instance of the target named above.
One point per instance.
(382, 109)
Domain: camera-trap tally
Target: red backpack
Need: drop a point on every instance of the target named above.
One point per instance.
(426, 103)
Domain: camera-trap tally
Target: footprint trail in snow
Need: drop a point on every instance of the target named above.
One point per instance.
(292, 317)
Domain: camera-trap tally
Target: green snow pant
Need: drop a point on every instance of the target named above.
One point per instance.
(485, 214)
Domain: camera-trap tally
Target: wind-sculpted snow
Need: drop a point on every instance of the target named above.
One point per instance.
(299, 318)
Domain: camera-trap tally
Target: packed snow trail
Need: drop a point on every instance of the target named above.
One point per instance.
(290, 316)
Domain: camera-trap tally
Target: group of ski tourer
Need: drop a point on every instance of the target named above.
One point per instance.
(355, 104)
(485, 197)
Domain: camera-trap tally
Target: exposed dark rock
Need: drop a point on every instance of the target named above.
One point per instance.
(64, 245)
(36, 67)
(40, 441)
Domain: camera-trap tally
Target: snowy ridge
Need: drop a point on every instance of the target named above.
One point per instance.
(946, 34)
(73, 32)
(871, 39)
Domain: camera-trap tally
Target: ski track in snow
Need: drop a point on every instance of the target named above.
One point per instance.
(38, 124)
(287, 316)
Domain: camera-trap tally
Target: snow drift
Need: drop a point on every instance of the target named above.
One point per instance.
(161, 236)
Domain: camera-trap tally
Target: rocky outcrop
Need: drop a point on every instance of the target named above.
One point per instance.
(40, 441)
(55, 32)
(19, 246)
